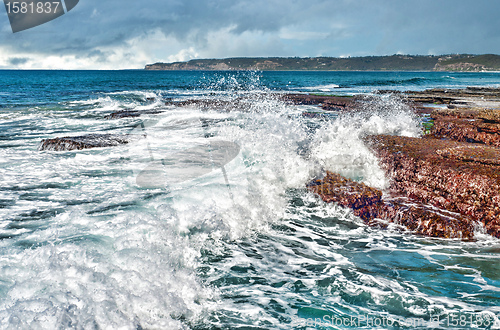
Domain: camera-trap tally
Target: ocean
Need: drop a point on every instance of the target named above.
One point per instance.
(220, 232)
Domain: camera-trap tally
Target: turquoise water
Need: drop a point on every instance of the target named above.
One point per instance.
(243, 246)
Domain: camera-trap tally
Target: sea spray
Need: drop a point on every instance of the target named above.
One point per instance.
(338, 145)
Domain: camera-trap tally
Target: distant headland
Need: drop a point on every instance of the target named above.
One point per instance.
(452, 62)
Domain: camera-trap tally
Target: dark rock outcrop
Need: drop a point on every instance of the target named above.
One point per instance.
(458, 177)
(83, 142)
(462, 99)
(368, 204)
(450, 95)
(212, 104)
(326, 102)
(130, 113)
(364, 200)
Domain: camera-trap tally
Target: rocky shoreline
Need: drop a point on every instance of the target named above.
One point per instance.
(443, 184)
(448, 180)
(368, 203)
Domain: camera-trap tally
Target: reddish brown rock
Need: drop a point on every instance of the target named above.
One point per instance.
(427, 220)
(362, 199)
(325, 101)
(472, 153)
(449, 175)
(367, 203)
(468, 125)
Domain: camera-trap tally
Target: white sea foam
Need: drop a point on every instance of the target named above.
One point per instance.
(339, 147)
(322, 88)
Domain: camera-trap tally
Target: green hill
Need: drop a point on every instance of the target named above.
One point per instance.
(486, 62)
(458, 62)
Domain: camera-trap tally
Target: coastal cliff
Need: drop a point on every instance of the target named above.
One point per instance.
(456, 62)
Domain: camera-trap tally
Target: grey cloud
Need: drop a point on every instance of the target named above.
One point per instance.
(356, 27)
(18, 60)
(119, 20)
(446, 26)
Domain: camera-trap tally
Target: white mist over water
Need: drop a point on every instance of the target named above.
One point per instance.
(85, 247)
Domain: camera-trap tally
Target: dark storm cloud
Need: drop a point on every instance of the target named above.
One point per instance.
(442, 26)
(291, 27)
(18, 60)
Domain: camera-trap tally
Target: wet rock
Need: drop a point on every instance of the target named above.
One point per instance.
(427, 220)
(367, 203)
(213, 104)
(422, 110)
(473, 125)
(461, 99)
(455, 94)
(348, 193)
(326, 102)
(130, 113)
(83, 142)
(431, 99)
(449, 175)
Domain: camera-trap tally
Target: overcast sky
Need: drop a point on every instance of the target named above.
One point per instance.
(120, 34)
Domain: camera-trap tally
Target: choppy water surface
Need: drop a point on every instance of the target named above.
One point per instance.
(246, 246)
